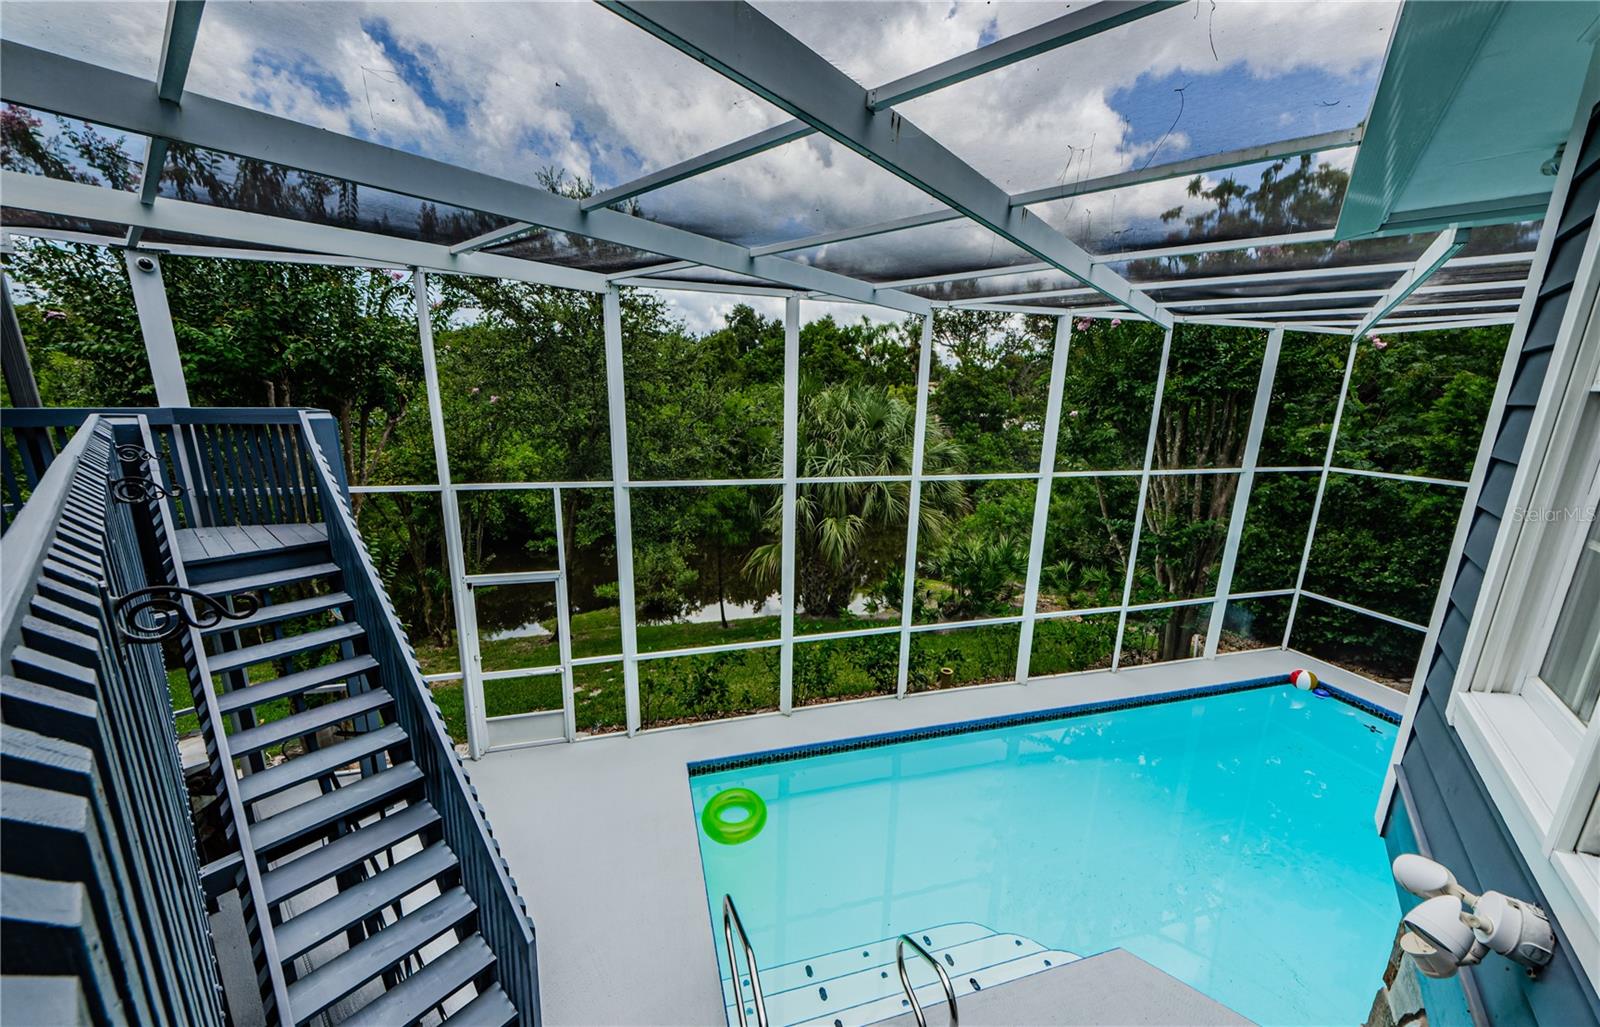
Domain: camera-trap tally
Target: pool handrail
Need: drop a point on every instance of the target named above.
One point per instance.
(730, 924)
(905, 980)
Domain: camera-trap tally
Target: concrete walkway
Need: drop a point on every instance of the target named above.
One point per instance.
(600, 833)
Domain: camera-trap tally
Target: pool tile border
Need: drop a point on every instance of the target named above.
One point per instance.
(793, 752)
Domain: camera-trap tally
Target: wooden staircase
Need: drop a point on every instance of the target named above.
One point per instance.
(364, 896)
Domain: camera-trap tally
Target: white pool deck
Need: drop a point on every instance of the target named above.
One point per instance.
(600, 833)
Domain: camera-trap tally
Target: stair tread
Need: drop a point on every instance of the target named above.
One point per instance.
(414, 997)
(349, 970)
(319, 762)
(280, 648)
(490, 1009)
(306, 722)
(275, 612)
(335, 805)
(267, 579)
(312, 927)
(221, 543)
(323, 862)
(293, 684)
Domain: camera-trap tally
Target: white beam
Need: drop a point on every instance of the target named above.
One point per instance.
(622, 504)
(75, 199)
(791, 470)
(177, 47)
(1144, 492)
(1241, 497)
(750, 49)
(1255, 276)
(760, 142)
(455, 556)
(1447, 245)
(1190, 249)
(47, 81)
(1322, 488)
(155, 324)
(1319, 143)
(908, 587)
(1020, 46)
(1042, 493)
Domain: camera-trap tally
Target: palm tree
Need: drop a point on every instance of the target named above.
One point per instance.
(847, 532)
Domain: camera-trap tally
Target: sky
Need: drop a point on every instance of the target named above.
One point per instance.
(512, 88)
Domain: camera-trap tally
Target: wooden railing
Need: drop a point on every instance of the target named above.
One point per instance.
(502, 914)
(234, 465)
(103, 915)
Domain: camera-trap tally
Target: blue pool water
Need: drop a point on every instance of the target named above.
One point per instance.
(1226, 839)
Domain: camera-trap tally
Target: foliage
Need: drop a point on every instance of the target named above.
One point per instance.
(522, 381)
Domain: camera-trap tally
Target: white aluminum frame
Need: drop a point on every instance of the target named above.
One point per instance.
(74, 88)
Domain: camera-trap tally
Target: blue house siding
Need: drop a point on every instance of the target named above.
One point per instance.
(1448, 803)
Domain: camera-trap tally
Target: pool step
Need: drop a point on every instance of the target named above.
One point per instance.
(861, 985)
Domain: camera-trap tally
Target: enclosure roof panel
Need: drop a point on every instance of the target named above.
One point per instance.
(1185, 82)
(510, 89)
(807, 187)
(875, 43)
(1291, 195)
(120, 34)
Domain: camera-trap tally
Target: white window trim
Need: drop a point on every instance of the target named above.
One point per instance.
(1539, 763)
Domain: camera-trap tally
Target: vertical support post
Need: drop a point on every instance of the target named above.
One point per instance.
(155, 324)
(622, 503)
(1144, 492)
(1041, 499)
(791, 462)
(20, 382)
(569, 712)
(455, 555)
(1322, 486)
(1241, 498)
(914, 503)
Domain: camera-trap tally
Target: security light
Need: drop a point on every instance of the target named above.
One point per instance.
(1447, 942)
(1426, 878)
(1442, 936)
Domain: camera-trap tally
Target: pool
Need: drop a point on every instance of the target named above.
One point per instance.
(1227, 839)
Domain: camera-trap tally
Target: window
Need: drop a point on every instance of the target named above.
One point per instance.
(1525, 694)
(1571, 666)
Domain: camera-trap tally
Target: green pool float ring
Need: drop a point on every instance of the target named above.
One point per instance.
(733, 832)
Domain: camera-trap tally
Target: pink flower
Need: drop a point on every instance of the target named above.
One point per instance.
(55, 315)
(396, 274)
(494, 399)
(1116, 321)
(1083, 324)
(1378, 343)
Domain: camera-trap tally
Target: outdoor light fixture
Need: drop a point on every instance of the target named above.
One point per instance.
(1442, 936)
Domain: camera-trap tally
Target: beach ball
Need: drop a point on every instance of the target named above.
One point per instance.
(1303, 679)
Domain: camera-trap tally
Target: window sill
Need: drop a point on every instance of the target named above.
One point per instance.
(1533, 761)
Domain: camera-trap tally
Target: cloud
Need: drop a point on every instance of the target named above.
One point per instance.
(511, 88)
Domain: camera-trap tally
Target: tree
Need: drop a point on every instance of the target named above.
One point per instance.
(847, 531)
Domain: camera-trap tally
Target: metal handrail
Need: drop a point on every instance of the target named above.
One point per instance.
(905, 980)
(731, 923)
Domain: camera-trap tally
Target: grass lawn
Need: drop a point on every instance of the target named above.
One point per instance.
(680, 689)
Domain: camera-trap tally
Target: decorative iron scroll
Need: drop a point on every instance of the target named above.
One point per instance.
(167, 616)
(134, 453)
(134, 489)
